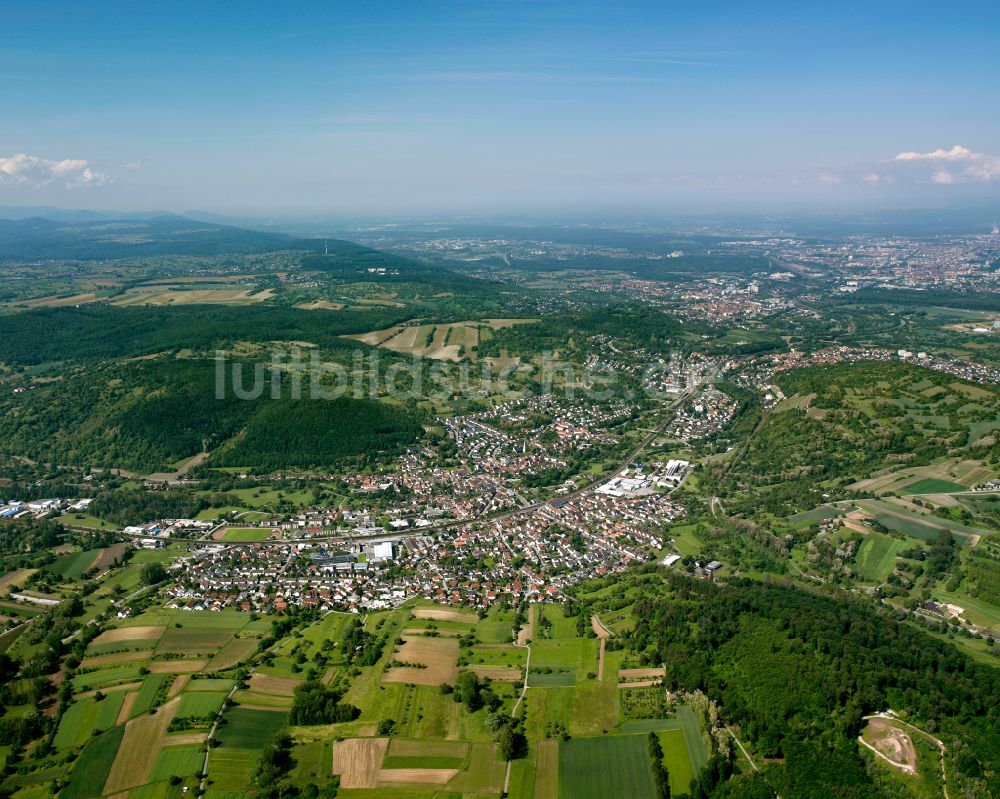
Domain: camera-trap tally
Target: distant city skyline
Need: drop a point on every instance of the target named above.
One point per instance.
(515, 107)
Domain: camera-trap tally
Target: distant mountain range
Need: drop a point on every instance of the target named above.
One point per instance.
(86, 235)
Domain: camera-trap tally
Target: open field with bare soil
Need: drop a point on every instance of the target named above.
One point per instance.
(107, 556)
(421, 776)
(502, 673)
(444, 614)
(16, 577)
(120, 634)
(276, 686)
(437, 655)
(358, 760)
(892, 742)
(640, 674)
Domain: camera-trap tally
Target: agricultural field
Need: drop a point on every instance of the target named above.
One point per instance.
(74, 564)
(933, 485)
(614, 765)
(231, 764)
(877, 555)
(375, 767)
(945, 476)
(198, 291)
(437, 744)
(444, 342)
(142, 708)
(916, 525)
(860, 570)
(90, 773)
(149, 689)
(15, 577)
(424, 661)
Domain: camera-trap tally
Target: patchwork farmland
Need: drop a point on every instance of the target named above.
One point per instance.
(163, 693)
(444, 342)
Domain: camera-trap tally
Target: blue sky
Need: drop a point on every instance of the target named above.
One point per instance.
(388, 107)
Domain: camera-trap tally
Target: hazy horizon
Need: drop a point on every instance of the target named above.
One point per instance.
(537, 108)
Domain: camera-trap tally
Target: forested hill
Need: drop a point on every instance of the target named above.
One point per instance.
(47, 239)
(798, 671)
(94, 332)
(146, 415)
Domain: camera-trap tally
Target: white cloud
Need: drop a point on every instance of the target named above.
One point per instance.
(956, 153)
(32, 171)
(941, 167)
(957, 165)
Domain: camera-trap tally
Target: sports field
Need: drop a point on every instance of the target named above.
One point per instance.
(246, 534)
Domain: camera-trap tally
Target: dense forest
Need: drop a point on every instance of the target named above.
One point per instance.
(315, 433)
(147, 415)
(94, 332)
(798, 670)
(910, 298)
